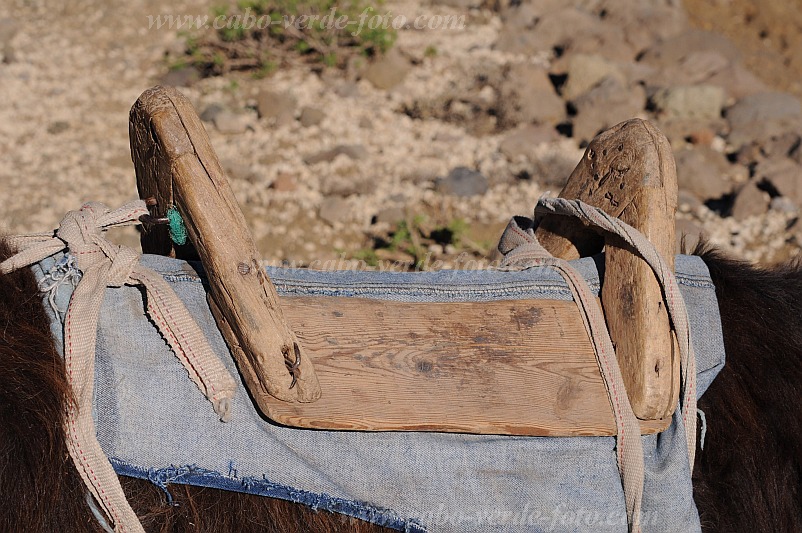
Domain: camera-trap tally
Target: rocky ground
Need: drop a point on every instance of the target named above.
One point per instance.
(430, 149)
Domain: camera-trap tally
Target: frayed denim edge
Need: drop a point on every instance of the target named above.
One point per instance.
(194, 475)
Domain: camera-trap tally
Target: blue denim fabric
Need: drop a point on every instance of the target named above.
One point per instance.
(154, 424)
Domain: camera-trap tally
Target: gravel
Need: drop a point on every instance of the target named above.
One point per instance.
(316, 157)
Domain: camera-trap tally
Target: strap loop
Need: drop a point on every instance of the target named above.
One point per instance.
(522, 250)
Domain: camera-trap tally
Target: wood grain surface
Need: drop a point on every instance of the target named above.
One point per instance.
(628, 171)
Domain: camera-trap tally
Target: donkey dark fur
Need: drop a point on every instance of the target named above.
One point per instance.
(747, 478)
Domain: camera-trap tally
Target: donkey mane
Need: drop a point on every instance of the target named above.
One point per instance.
(747, 477)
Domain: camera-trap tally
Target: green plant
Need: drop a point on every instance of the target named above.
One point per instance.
(233, 86)
(265, 68)
(178, 64)
(368, 255)
(260, 35)
(451, 233)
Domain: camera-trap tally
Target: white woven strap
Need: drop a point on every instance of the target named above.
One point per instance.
(527, 252)
(522, 250)
(102, 265)
(671, 295)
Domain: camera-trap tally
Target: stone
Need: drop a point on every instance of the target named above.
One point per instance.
(703, 135)
(462, 181)
(643, 23)
(365, 123)
(681, 131)
(701, 172)
(785, 145)
(749, 201)
(9, 54)
(388, 71)
(276, 106)
(552, 170)
(687, 201)
(8, 29)
(693, 102)
(585, 71)
(781, 204)
(284, 183)
(459, 4)
(524, 15)
(674, 50)
(605, 36)
(529, 31)
(531, 28)
(737, 81)
(354, 69)
(749, 153)
(532, 77)
(421, 177)
(57, 127)
(334, 210)
(210, 112)
(347, 182)
(526, 95)
(391, 215)
(763, 106)
(604, 106)
(695, 68)
(181, 77)
(574, 30)
(700, 65)
(321, 157)
(230, 122)
(352, 151)
(761, 116)
(784, 174)
(238, 170)
(796, 154)
(688, 235)
(347, 89)
(520, 143)
(311, 116)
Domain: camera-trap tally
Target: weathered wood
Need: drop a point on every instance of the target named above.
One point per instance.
(516, 367)
(504, 367)
(629, 172)
(176, 165)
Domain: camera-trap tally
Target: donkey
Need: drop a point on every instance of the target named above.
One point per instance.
(748, 476)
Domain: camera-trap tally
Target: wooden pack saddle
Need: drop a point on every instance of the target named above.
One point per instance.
(372, 369)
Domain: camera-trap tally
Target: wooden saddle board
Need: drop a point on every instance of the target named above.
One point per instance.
(380, 365)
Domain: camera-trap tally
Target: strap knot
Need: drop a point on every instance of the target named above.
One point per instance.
(83, 233)
(103, 264)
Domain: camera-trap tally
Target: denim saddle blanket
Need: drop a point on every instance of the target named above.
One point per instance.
(153, 423)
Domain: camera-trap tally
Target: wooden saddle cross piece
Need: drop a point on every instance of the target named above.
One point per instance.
(386, 365)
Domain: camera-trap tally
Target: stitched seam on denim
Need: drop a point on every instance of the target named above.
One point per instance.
(201, 477)
(283, 284)
(520, 289)
(690, 280)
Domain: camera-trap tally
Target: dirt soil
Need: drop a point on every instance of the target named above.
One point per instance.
(768, 34)
(70, 72)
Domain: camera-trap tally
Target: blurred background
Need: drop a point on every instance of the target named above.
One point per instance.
(414, 132)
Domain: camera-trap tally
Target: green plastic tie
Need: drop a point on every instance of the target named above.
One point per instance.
(178, 231)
